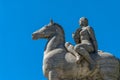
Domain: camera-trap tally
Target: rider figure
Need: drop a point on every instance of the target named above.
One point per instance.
(85, 41)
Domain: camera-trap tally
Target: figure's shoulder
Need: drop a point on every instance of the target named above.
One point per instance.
(78, 30)
(90, 28)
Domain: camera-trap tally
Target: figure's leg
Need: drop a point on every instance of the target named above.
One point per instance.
(70, 48)
(53, 75)
(82, 51)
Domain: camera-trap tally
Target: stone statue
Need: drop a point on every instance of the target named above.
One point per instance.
(85, 42)
(59, 62)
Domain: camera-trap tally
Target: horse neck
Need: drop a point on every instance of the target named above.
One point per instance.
(57, 41)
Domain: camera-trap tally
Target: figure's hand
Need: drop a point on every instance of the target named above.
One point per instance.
(67, 44)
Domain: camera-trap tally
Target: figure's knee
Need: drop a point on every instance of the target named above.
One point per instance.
(81, 49)
(78, 47)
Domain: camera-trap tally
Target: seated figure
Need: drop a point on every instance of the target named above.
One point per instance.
(85, 40)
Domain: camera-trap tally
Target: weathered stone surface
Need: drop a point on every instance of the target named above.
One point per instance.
(63, 61)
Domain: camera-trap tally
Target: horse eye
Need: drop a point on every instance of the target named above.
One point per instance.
(47, 26)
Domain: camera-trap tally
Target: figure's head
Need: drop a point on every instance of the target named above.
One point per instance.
(83, 22)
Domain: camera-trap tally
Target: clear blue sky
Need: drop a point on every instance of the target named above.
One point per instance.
(21, 57)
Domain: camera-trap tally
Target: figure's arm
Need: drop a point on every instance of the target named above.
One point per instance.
(76, 36)
(93, 38)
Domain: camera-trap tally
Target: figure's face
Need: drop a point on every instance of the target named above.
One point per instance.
(83, 22)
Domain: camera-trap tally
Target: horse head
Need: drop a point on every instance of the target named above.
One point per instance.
(48, 31)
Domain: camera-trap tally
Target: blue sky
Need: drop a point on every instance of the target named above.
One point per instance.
(21, 57)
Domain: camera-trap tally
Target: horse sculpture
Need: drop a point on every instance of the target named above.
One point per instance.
(60, 64)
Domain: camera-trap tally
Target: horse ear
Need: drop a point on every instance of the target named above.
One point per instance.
(51, 21)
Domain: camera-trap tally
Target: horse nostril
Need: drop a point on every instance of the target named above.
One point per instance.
(32, 34)
(34, 37)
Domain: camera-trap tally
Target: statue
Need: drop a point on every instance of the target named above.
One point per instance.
(85, 42)
(59, 62)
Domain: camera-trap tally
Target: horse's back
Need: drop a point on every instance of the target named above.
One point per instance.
(108, 65)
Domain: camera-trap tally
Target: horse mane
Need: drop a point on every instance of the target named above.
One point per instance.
(59, 26)
(62, 31)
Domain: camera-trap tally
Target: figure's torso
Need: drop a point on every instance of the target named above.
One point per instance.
(84, 35)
